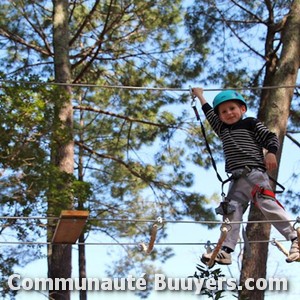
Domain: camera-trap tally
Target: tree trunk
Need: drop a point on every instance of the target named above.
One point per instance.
(62, 152)
(81, 202)
(82, 265)
(274, 113)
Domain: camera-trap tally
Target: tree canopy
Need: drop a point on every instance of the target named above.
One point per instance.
(255, 47)
(129, 151)
(129, 62)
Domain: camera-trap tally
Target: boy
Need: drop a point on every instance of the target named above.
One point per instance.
(243, 142)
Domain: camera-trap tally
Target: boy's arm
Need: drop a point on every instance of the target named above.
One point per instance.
(271, 161)
(270, 142)
(198, 92)
(212, 118)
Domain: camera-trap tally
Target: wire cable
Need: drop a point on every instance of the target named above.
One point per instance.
(165, 221)
(141, 87)
(125, 243)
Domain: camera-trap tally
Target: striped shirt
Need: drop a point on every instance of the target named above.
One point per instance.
(243, 142)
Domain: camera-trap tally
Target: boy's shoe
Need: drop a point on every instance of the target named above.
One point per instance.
(222, 258)
(294, 254)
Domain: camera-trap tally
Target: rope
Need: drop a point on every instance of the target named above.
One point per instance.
(125, 243)
(194, 222)
(215, 252)
(28, 218)
(141, 87)
(147, 220)
(213, 162)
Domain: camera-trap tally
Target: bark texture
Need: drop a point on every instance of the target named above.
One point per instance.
(60, 256)
(274, 112)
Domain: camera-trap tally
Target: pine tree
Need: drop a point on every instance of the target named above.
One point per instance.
(79, 53)
(254, 44)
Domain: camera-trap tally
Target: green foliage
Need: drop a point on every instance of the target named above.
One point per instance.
(242, 46)
(206, 274)
(25, 121)
(130, 156)
(196, 209)
(6, 264)
(133, 148)
(244, 49)
(233, 38)
(291, 199)
(196, 142)
(26, 118)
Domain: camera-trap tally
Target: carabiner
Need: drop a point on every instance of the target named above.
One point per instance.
(297, 221)
(226, 224)
(193, 104)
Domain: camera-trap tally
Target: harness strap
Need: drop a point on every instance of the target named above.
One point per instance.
(260, 190)
(204, 135)
(277, 183)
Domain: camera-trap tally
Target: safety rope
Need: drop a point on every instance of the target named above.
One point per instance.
(125, 243)
(132, 220)
(141, 87)
(193, 104)
(224, 230)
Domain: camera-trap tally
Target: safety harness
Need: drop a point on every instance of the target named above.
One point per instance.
(225, 206)
(264, 192)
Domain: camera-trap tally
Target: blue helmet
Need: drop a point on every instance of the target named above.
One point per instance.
(227, 95)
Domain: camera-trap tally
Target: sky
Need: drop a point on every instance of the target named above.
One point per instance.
(186, 257)
(183, 263)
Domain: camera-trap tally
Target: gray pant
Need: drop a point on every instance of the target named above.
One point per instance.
(239, 194)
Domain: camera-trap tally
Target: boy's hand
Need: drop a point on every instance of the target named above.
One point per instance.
(271, 161)
(198, 92)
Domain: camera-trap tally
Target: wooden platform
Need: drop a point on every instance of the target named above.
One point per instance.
(70, 226)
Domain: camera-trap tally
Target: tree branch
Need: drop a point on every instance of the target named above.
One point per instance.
(16, 38)
(237, 36)
(248, 12)
(292, 139)
(99, 42)
(84, 23)
(88, 108)
(158, 184)
(38, 29)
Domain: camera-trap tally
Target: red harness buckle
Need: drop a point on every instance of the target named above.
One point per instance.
(260, 190)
